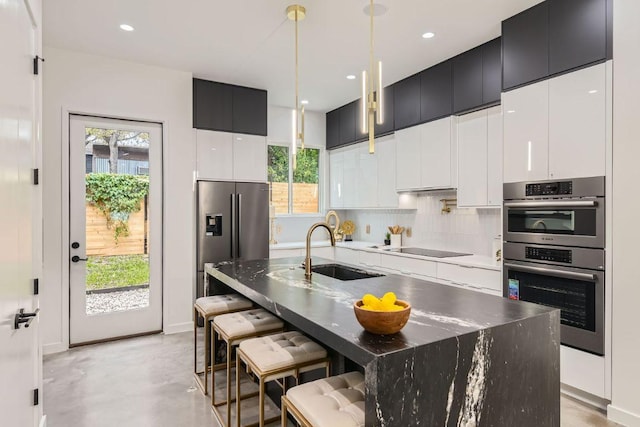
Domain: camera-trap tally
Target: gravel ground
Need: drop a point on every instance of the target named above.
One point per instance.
(117, 301)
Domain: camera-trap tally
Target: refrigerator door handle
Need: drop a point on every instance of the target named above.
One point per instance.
(239, 223)
(233, 225)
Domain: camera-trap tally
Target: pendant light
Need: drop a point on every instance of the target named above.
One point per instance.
(297, 13)
(371, 91)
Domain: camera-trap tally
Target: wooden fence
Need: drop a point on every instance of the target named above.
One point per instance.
(101, 240)
(305, 197)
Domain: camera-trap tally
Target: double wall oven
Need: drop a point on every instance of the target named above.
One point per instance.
(554, 234)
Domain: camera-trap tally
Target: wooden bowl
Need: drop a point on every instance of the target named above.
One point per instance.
(382, 322)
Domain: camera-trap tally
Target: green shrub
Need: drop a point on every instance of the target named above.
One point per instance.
(117, 196)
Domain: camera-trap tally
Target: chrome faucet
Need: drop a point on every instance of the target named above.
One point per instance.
(307, 259)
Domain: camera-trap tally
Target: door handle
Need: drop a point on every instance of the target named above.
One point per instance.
(553, 272)
(233, 224)
(239, 223)
(76, 258)
(24, 318)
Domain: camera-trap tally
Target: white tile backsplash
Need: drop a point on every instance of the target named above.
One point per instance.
(463, 229)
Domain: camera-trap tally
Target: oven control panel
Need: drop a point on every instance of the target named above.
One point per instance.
(545, 254)
(561, 188)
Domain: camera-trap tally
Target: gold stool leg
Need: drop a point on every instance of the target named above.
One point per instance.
(283, 414)
(213, 371)
(238, 399)
(229, 347)
(261, 402)
(207, 354)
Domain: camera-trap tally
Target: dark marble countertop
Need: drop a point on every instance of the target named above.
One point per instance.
(323, 307)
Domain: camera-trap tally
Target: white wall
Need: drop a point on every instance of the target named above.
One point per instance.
(464, 229)
(104, 86)
(625, 380)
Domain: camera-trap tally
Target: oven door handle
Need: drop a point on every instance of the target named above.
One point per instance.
(553, 204)
(550, 271)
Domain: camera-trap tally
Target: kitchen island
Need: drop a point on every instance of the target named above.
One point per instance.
(463, 359)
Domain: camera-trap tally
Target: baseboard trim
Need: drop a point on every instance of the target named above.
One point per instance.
(623, 417)
(583, 396)
(178, 328)
(54, 348)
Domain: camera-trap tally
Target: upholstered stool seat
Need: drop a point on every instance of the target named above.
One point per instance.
(328, 402)
(234, 328)
(207, 308)
(275, 357)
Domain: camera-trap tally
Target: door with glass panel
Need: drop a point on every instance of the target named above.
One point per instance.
(115, 230)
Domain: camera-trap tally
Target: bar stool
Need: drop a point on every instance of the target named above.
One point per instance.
(235, 328)
(276, 357)
(207, 308)
(328, 402)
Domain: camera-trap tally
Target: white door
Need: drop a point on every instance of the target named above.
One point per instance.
(20, 215)
(367, 196)
(577, 123)
(408, 164)
(249, 158)
(386, 176)
(214, 155)
(526, 133)
(335, 177)
(494, 156)
(472, 159)
(115, 230)
(436, 154)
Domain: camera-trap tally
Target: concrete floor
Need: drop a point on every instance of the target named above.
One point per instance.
(148, 381)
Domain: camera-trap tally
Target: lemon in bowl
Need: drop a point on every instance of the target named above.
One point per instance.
(382, 316)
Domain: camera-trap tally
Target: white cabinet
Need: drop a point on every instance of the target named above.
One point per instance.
(214, 155)
(526, 133)
(494, 156)
(350, 173)
(336, 180)
(249, 158)
(480, 158)
(367, 196)
(471, 277)
(408, 266)
(426, 156)
(438, 160)
(360, 180)
(347, 256)
(557, 128)
(577, 125)
(386, 176)
(408, 158)
(472, 159)
(231, 157)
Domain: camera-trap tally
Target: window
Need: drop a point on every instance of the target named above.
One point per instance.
(294, 191)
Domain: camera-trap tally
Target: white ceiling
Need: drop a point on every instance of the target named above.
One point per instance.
(250, 42)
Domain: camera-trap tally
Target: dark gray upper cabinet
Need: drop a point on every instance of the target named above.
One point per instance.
(388, 114)
(212, 105)
(491, 71)
(348, 123)
(467, 80)
(406, 102)
(249, 110)
(229, 108)
(577, 33)
(333, 129)
(436, 92)
(525, 46)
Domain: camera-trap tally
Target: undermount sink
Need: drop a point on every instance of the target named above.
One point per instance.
(342, 272)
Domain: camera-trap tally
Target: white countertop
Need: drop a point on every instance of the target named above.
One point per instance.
(479, 261)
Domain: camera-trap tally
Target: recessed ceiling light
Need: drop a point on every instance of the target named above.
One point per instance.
(428, 35)
(304, 102)
(126, 27)
(511, 111)
(351, 77)
(593, 91)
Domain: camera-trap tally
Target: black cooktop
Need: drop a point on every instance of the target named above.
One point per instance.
(428, 252)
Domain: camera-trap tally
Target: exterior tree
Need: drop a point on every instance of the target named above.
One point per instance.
(114, 138)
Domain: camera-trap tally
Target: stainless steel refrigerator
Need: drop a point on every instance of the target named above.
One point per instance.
(232, 223)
